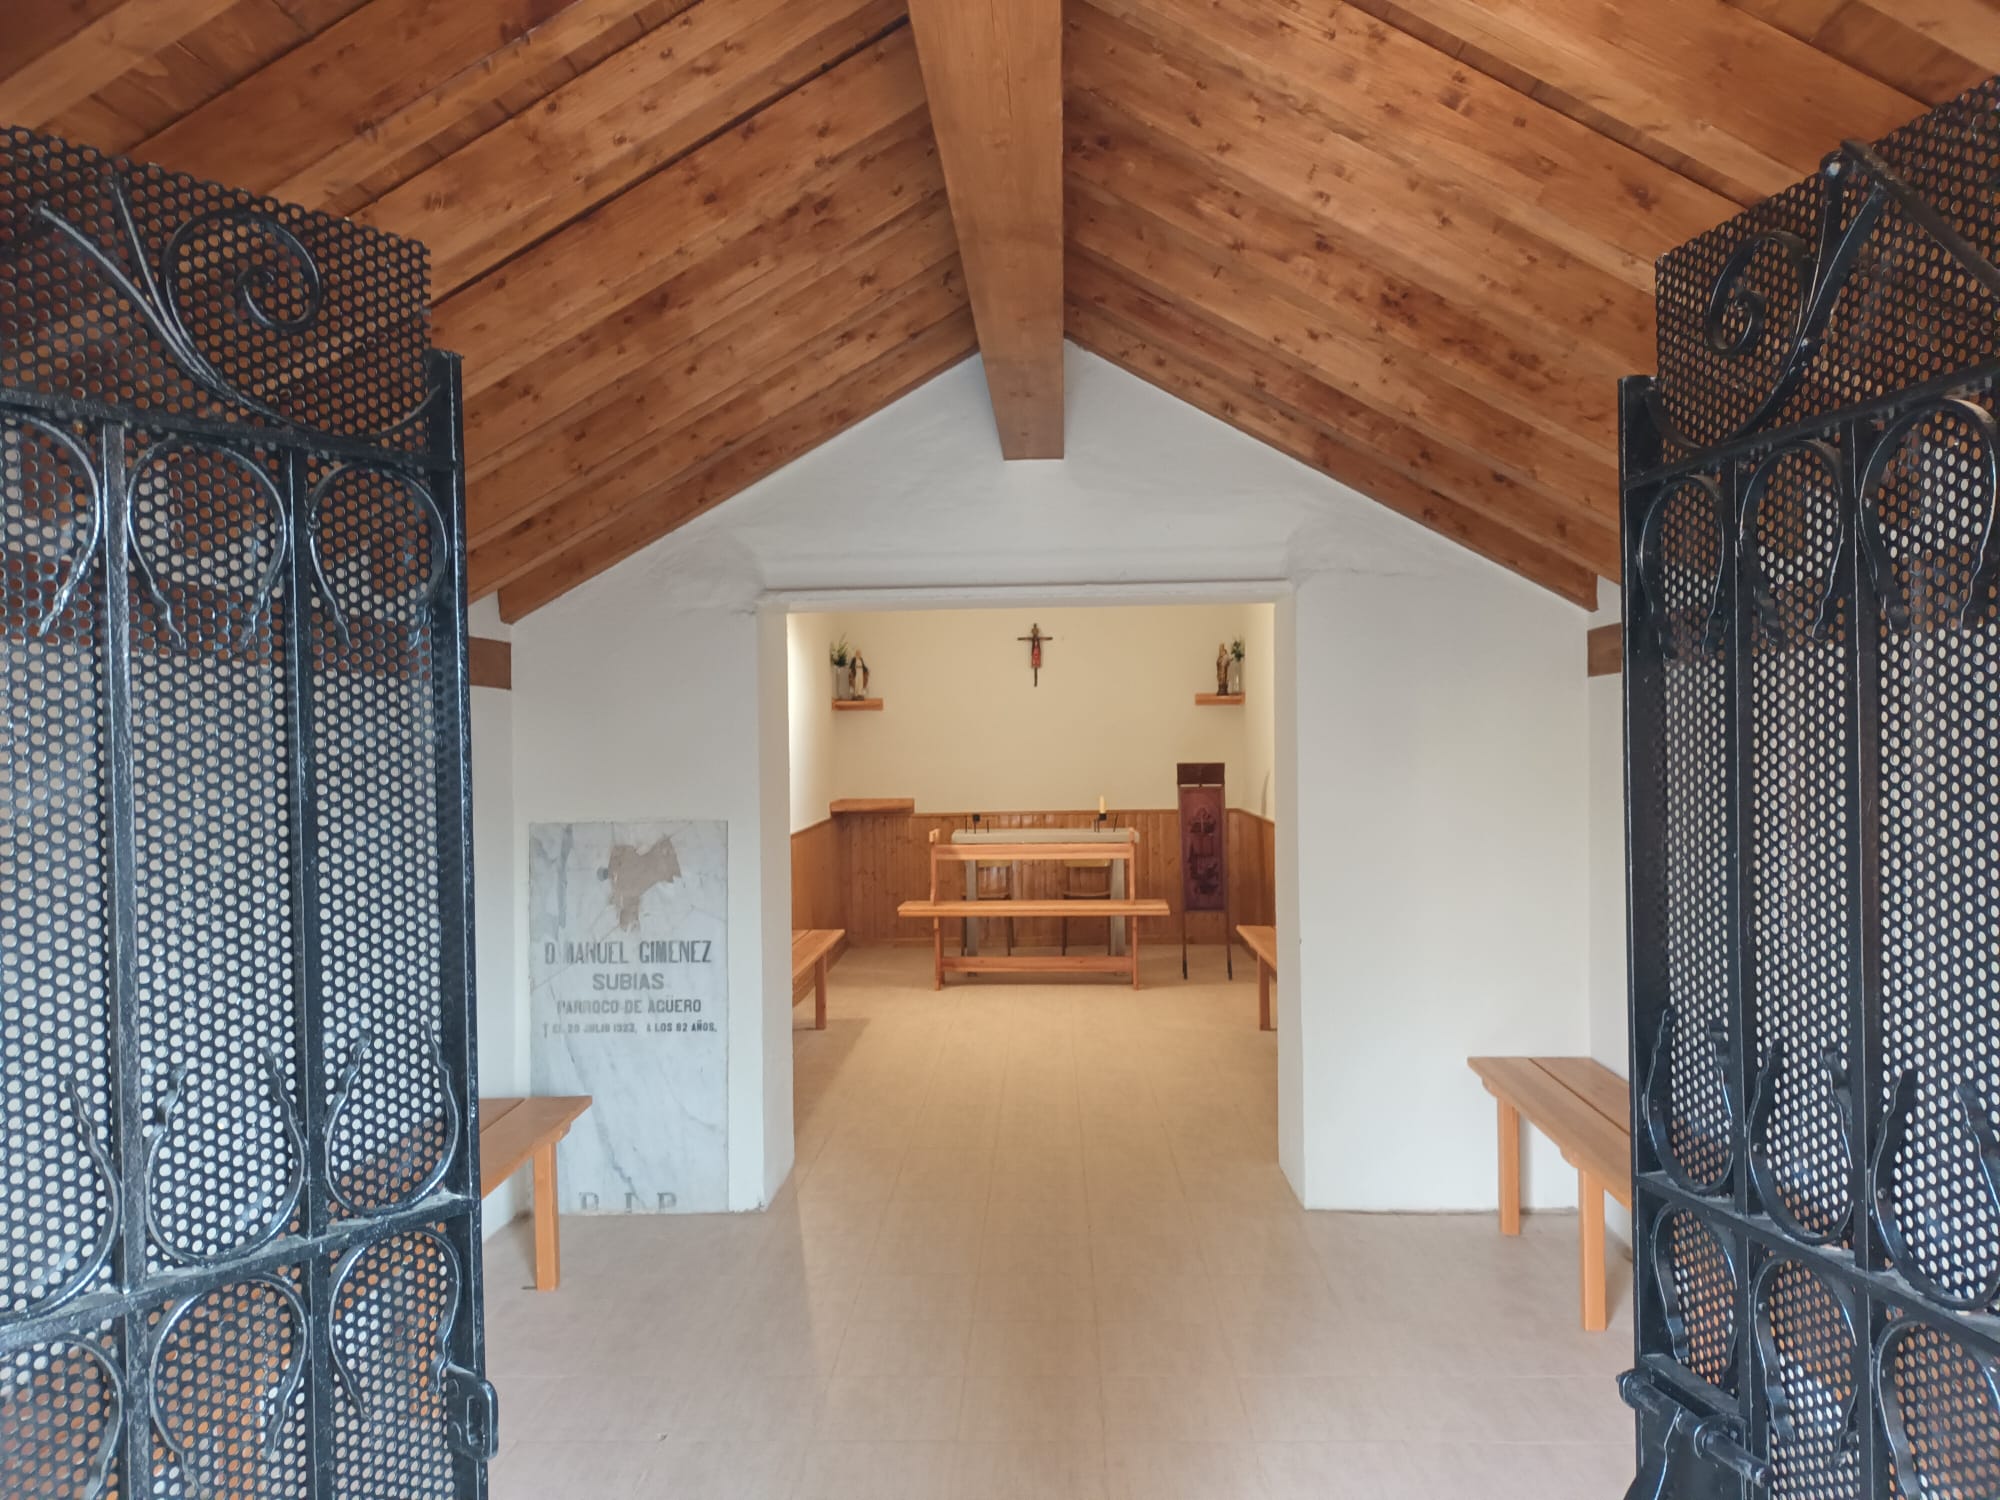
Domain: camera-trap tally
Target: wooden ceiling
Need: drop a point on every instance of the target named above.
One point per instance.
(680, 243)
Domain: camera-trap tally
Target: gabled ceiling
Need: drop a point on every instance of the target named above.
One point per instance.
(680, 243)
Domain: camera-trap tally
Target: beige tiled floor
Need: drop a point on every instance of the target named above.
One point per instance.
(1037, 1247)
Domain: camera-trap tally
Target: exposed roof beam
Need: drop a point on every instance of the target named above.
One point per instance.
(993, 71)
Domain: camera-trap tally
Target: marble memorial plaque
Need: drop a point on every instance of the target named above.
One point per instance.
(629, 999)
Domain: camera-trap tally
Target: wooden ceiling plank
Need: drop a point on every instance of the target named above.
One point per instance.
(1587, 539)
(1697, 80)
(332, 91)
(552, 464)
(1538, 373)
(1360, 470)
(642, 469)
(1886, 47)
(1424, 229)
(653, 101)
(509, 79)
(993, 72)
(1369, 369)
(1423, 110)
(1970, 28)
(40, 86)
(791, 435)
(658, 228)
(854, 196)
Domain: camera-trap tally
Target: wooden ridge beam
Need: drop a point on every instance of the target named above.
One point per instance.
(761, 250)
(1541, 375)
(1371, 370)
(710, 67)
(1430, 232)
(1930, 49)
(1699, 86)
(1248, 413)
(555, 463)
(632, 474)
(661, 226)
(993, 73)
(1249, 368)
(827, 412)
(39, 85)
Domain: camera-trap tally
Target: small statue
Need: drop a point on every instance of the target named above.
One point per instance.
(1221, 671)
(858, 666)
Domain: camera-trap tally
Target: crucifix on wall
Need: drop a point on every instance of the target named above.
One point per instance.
(1035, 638)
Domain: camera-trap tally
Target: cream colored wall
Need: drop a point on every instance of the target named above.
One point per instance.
(964, 728)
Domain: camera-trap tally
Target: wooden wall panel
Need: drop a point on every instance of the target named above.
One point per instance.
(816, 877)
(1253, 869)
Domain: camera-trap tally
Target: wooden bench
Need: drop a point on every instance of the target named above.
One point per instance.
(1586, 1110)
(1129, 909)
(812, 952)
(513, 1132)
(1263, 945)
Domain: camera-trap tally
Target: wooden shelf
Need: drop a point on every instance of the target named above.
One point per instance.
(1218, 700)
(872, 805)
(857, 705)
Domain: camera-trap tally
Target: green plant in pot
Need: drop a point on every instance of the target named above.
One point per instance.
(841, 656)
(1236, 665)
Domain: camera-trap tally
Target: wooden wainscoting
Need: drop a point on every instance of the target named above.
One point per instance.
(852, 871)
(816, 877)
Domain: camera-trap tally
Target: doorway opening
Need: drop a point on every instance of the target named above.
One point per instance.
(975, 738)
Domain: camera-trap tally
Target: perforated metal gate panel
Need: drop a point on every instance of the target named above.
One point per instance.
(239, 1223)
(1812, 678)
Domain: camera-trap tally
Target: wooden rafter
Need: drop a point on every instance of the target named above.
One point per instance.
(37, 86)
(993, 71)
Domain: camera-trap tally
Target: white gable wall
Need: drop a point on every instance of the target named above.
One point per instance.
(1430, 726)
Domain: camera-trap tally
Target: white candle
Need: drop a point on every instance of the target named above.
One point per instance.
(1100, 807)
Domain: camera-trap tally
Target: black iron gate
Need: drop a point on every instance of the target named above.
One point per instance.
(1812, 673)
(239, 1225)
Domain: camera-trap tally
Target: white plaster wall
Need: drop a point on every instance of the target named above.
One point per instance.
(503, 1059)
(1433, 774)
(1609, 1034)
(1441, 882)
(965, 727)
(628, 707)
(809, 715)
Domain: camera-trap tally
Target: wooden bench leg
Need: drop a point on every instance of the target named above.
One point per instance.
(937, 953)
(1510, 1168)
(1590, 1233)
(1132, 947)
(1264, 997)
(548, 1236)
(819, 994)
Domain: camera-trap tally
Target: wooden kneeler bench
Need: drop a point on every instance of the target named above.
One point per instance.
(1586, 1110)
(514, 1132)
(812, 952)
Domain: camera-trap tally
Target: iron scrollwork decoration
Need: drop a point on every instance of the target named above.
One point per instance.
(1813, 774)
(191, 381)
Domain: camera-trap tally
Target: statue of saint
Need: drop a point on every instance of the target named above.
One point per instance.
(1221, 671)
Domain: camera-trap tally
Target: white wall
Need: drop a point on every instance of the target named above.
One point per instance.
(1432, 776)
(1441, 881)
(503, 1040)
(626, 707)
(1609, 1040)
(809, 715)
(965, 727)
